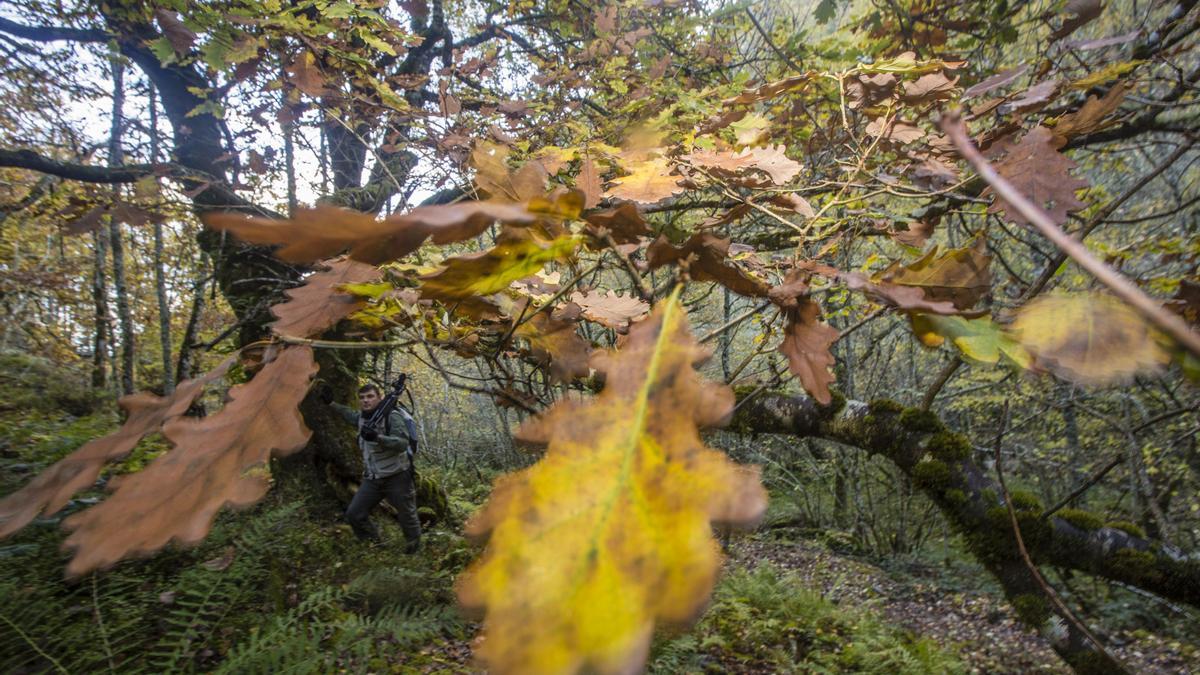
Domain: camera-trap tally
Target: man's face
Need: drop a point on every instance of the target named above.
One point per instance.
(368, 399)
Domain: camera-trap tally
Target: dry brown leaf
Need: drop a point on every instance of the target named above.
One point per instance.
(1041, 173)
(1092, 115)
(711, 262)
(1082, 12)
(806, 343)
(589, 183)
(867, 91)
(180, 36)
(306, 76)
(995, 81)
(893, 295)
(609, 308)
(927, 88)
(1034, 97)
(624, 222)
(51, 489)
(556, 345)
(771, 161)
(1090, 339)
(325, 231)
(610, 532)
(790, 293)
(792, 201)
(216, 461)
(318, 305)
(916, 235)
(960, 276)
(898, 132)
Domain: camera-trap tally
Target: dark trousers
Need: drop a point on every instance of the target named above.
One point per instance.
(400, 492)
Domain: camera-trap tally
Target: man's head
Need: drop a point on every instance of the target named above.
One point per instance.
(369, 397)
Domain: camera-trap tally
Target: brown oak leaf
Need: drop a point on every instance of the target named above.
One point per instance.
(806, 343)
(610, 309)
(556, 345)
(624, 222)
(1082, 12)
(1036, 168)
(318, 305)
(927, 88)
(995, 81)
(1092, 116)
(710, 263)
(325, 231)
(960, 276)
(216, 461)
(51, 489)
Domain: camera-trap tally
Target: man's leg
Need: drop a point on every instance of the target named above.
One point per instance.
(402, 494)
(358, 514)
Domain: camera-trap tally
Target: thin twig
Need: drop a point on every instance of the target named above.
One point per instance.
(1094, 222)
(1083, 487)
(1119, 285)
(733, 322)
(1063, 610)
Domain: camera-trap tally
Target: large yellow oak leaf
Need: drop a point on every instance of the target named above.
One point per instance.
(216, 461)
(51, 489)
(611, 531)
(1089, 338)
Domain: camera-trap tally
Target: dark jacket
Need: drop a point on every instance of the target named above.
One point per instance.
(388, 455)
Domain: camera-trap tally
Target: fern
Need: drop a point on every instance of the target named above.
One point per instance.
(203, 597)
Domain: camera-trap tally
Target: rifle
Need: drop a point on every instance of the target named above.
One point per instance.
(385, 408)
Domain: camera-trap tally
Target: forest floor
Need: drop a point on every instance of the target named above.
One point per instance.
(975, 625)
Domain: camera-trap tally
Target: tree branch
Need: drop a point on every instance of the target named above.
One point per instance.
(1120, 286)
(128, 173)
(52, 33)
(940, 465)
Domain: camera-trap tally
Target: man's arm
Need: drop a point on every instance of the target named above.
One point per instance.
(397, 438)
(349, 414)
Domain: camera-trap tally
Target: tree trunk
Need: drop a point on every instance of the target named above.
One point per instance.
(100, 302)
(114, 232)
(183, 368)
(160, 277)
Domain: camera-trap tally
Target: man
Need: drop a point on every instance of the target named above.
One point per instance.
(387, 467)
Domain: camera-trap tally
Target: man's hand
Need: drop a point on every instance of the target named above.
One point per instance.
(369, 434)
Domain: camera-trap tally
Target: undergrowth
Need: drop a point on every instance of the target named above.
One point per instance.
(766, 620)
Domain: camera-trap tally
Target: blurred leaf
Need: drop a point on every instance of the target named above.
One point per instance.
(577, 573)
(1089, 338)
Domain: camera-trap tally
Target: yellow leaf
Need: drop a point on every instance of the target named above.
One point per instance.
(611, 531)
(649, 182)
(1089, 338)
(1107, 74)
(979, 340)
(493, 270)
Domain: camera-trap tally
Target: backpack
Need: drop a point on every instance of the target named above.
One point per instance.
(410, 426)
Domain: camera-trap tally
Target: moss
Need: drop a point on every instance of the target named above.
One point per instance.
(989, 496)
(1034, 530)
(956, 497)
(949, 447)
(1084, 520)
(885, 405)
(1023, 500)
(1135, 565)
(931, 473)
(1127, 527)
(836, 404)
(921, 421)
(1031, 609)
(1090, 663)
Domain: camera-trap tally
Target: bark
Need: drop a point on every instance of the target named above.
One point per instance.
(940, 464)
(184, 367)
(100, 303)
(115, 157)
(160, 277)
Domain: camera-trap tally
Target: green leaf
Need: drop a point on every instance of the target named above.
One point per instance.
(979, 340)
